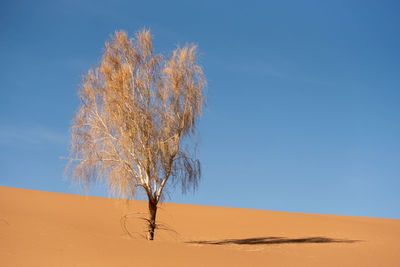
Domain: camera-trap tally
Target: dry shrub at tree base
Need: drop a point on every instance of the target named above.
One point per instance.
(137, 117)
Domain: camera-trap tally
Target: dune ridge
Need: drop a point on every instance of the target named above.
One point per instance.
(52, 229)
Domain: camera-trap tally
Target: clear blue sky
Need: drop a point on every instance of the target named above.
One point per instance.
(304, 96)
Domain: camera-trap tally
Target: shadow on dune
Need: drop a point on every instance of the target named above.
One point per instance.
(271, 240)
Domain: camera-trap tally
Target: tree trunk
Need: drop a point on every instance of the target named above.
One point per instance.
(152, 219)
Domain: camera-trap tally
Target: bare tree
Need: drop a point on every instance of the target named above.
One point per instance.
(138, 111)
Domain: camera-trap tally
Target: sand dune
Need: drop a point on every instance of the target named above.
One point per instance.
(52, 229)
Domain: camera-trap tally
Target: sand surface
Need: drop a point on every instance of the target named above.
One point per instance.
(52, 229)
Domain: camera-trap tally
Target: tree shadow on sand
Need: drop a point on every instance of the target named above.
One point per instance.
(271, 240)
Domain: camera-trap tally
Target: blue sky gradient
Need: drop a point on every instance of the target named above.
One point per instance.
(304, 96)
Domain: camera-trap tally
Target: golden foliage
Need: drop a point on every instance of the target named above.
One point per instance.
(137, 109)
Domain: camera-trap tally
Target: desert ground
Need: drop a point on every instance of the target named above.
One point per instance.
(51, 229)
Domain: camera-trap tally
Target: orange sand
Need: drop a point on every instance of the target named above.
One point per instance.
(52, 229)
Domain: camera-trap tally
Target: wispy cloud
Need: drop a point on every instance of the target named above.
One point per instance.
(288, 72)
(31, 135)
